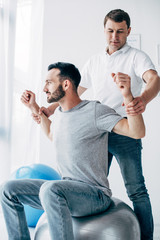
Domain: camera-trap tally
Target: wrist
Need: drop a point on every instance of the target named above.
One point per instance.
(144, 98)
(128, 99)
(34, 108)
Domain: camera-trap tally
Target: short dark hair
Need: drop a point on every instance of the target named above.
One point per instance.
(118, 15)
(67, 71)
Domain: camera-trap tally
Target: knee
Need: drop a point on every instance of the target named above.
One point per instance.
(7, 189)
(48, 190)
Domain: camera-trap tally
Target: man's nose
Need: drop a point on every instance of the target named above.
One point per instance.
(114, 35)
(44, 89)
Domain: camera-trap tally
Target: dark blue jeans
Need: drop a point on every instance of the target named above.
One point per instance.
(127, 152)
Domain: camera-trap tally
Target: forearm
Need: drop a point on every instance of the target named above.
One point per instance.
(45, 125)
(133, 126)
(136, 127)
(34, 108)
(81, 90)
(45, 122)
(152, 88)
(52, 108)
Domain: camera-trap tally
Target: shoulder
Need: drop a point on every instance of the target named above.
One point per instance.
(137, 52)
(140, 59)
(95, 105)
(103, 109)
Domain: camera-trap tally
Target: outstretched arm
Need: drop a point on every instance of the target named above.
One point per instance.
(133, 126)
(28, 99)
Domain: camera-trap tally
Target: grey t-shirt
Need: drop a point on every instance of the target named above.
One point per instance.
(80, 136)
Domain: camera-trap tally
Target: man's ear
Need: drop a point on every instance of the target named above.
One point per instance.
(129, 30)
(66, 84)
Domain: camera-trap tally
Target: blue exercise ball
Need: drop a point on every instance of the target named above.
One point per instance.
(35, 171)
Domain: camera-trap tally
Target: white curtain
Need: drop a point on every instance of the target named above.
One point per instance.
(19, 135)
(7, 43)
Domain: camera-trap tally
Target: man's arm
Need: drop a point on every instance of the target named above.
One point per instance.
(81, 90)
(151, 90)
(28, 99)
(133, 126)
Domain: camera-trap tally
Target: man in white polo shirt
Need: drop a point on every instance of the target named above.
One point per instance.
(98, 73)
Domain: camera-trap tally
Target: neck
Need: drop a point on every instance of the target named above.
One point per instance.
(110, 50)
(69, 102)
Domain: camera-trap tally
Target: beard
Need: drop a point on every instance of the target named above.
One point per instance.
(56, 95)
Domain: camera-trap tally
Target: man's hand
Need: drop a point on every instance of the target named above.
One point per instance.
(44, 110)
(47, 112)
(123, 82)
(29, 100)
(137, 106)
(36, 118)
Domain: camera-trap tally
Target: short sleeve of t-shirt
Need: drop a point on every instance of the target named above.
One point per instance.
(142, 63)
(106, 117)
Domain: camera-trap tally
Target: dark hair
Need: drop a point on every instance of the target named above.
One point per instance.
(118, 15)
(67, 71)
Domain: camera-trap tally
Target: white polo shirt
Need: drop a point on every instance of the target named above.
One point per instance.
(97, 74)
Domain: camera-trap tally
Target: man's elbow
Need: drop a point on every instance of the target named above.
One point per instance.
(139, 134)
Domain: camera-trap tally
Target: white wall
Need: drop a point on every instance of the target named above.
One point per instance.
(73, 31)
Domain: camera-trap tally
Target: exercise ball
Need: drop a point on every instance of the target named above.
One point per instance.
(35, 171)
(117, 223)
